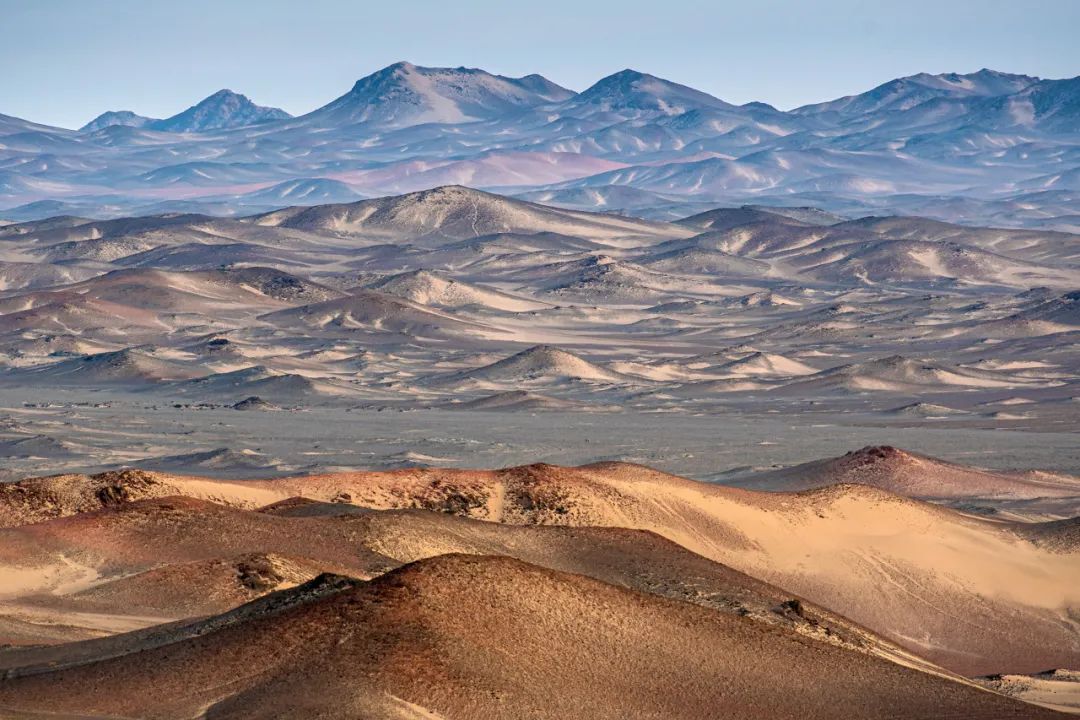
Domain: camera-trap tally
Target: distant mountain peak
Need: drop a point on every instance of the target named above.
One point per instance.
(623, 80)
(391, 73)
(224, 94)
(125, 118)
(983, 82)
(626, 75)
(758, 105)
(987, 72)
(631, 90)
(906, 92)
(404, 94)
(222, 110)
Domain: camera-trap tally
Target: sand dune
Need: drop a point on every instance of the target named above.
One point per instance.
(901, 374)
(156, 561)
(454, 212)
(124, 567)
(189, 589)
(549, 645)
(947, 586)
(257, 380)
(433, 278)
(376, 312)
(72, 554)
(428, 288)
(516, 400)
(925, 410)
(914, 475)
(760, 363)
(129, 367)
(538, 364)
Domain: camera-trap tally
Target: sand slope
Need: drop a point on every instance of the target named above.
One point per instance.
(914, 475)
(485, 637)
(950, 587)
(158, 560)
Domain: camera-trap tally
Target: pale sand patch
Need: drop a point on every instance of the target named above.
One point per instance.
(98, 623)
(63, 576)
(410, 711)
(1059, 689)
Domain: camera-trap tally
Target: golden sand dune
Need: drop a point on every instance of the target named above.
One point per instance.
(915, 475)
(483, 637)
(152, 561)
(949, 587)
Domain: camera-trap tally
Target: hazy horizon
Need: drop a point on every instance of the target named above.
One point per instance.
(76, 61)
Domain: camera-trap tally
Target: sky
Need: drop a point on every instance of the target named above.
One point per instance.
(66, 61)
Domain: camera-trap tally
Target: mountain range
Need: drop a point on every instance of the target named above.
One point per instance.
(223, 110)
(969, 148)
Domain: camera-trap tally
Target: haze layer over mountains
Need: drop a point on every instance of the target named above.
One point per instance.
(986, 148)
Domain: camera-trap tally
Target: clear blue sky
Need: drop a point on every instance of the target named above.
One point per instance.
(65, 61)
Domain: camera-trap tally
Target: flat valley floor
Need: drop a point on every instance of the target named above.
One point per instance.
(94, 431)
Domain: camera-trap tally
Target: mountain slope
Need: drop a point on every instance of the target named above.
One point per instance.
(900, 374)
(129, 368)
(303, 191)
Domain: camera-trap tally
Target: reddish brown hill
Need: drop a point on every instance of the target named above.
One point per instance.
(946, 586)
(484, 637)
